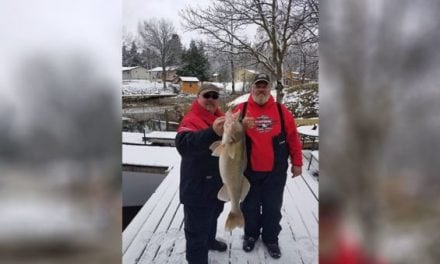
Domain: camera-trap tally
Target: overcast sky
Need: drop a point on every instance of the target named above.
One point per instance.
(138, 10)
(32, 28)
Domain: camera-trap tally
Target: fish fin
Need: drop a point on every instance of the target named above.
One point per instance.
(217, 149)
(223, 194)
(234, 220)
(231, 153)
(245, 186)
(215, 145)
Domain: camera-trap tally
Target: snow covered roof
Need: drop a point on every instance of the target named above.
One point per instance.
(130, 68)
(251, 71)
(159, 69)
(188, 79)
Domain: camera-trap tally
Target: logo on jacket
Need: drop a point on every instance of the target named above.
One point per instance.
(263, 124)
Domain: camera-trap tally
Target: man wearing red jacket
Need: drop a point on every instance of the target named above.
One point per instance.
(270, 142)
(199, 174)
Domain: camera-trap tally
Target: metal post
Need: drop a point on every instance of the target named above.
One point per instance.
(144, 138)
(167, 128)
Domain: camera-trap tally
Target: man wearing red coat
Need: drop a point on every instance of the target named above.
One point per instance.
(199, 174)
(270, 142)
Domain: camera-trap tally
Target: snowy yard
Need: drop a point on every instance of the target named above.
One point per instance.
(143, 87)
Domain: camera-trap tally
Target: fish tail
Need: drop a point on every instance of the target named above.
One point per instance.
(234, 220)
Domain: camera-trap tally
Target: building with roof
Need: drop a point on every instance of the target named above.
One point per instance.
(189, 85)
(135, 72)
(156, 73)
(245, 75)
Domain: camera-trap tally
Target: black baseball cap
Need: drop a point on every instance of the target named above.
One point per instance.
(261, 77)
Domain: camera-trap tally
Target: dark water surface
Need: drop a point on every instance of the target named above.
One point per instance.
(137, 188)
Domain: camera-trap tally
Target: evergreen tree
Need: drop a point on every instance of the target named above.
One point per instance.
(176, 50)
(125, 56)
(195, 62)
(133, 55)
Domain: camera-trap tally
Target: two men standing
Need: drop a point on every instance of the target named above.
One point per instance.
(271, 137)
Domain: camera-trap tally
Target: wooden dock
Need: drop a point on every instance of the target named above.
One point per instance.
(161, 138)
(156, 234)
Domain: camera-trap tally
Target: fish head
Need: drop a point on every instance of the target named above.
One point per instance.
(233, 129)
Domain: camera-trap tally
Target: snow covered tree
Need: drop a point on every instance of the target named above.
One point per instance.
(277, 21)
(157, 35)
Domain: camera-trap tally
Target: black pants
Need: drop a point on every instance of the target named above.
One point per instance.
(200, 229)
(262, 206)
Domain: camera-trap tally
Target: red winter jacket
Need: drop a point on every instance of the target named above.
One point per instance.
(267, 126)
(198, 118)
(200, 178)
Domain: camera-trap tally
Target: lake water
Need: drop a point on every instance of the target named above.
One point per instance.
(137, 188)
(151, 118)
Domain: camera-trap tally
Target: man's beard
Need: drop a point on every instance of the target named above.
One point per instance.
(260, 99)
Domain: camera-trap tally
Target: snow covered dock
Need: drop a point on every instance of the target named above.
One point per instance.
(156, 234)
(154, 137)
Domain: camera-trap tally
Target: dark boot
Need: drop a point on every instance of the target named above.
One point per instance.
(274, 250)
(218, 246)
(248, 243)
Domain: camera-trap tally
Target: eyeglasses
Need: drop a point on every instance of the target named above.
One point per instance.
(210, 95)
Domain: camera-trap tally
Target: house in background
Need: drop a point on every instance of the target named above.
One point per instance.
(155, 74)
(135, 72)
(189, 85)
(245, 75)
(292, 78)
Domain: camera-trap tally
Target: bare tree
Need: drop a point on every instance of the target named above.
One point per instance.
(157, 36)
(226, 50)
(277, 22)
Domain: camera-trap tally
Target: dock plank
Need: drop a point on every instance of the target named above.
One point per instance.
(136, 224)
(311, 181)
(162, 243)
(307, 202)
(136, 251)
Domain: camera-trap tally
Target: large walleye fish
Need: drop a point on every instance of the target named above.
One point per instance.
(232, 162)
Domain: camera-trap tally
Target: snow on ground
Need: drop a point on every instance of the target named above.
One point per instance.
(297, 98)
(132, 138)
(162, 134)
(144, 87)
(148, 155)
